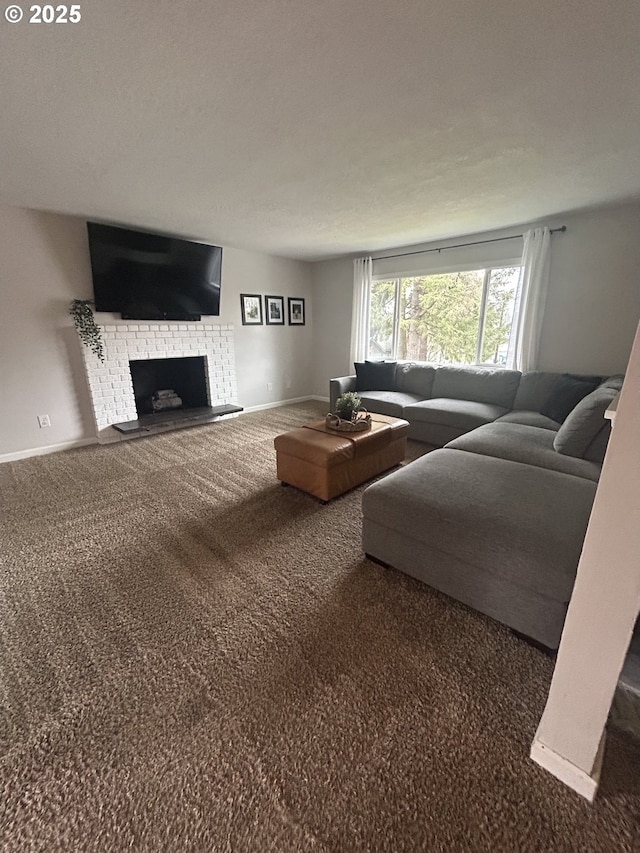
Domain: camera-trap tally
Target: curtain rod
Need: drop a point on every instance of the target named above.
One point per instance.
(562, 229)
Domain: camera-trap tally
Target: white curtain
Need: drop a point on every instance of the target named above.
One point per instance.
(362, 270)
(530, 301)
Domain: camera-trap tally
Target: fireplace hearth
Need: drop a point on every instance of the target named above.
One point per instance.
(170, 391)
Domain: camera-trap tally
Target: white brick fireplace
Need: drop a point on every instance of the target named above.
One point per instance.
(110, 382)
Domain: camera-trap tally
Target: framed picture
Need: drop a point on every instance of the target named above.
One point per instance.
(296, 311)
(274, 310)
(251, 304)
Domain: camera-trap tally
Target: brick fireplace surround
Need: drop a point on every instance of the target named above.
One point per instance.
(110, 383)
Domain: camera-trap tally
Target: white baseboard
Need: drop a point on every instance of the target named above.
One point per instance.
(43, 451)
(68, 445)
(583, 783)
(282, 403)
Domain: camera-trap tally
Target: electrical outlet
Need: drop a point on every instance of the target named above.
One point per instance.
(269, 386)
(44, 421)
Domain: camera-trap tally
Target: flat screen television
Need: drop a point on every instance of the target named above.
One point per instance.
(147, 276)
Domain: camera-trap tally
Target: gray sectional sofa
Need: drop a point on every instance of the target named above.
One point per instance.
(495, 518)
(443, 402)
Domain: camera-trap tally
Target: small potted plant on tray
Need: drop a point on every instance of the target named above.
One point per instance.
(349, 415)
(347, 405)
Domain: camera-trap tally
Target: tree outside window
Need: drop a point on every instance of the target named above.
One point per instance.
(458, 317)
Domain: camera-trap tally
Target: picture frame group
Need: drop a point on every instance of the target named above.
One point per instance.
(253, 314)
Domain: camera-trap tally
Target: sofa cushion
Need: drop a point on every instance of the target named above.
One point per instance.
(533, 390)
(535, 386)
(528, 444)
(415, 378)
(566, 393)
(585, 422)
(616, 381)
(529, 418)
(595, 452)
(477, 384)
(387, 402)
(490, 513)
(375, 375)
(462, 414)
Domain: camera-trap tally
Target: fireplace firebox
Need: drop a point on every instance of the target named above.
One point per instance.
(169, 383)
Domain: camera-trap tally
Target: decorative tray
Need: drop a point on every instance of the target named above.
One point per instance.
(361, 422)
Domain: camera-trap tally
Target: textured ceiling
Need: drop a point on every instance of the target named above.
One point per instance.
(314, 128)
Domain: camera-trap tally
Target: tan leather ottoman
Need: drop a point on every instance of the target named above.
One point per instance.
(327, 463)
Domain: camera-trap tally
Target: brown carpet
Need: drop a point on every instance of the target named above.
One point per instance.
(193, 658)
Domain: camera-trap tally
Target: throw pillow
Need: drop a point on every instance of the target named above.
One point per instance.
(565, 394)
(375, 375)
(584, 423)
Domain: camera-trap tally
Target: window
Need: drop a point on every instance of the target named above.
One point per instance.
(455, 317)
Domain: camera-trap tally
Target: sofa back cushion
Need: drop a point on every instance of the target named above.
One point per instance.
(614, 381)
(585, 422)
(415, 378)
(598, 447)
(478, 384)
(375, 376)
(566, 393)
(596, 450)
(536, 386)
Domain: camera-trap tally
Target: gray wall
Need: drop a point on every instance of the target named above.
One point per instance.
(44, 264)
(593, 304)
(280, 355)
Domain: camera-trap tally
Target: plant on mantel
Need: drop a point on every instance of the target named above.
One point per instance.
(88, 331)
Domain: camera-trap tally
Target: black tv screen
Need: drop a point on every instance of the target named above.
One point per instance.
(153, 277)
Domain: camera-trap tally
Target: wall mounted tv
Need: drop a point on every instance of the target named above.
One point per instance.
(146, 276)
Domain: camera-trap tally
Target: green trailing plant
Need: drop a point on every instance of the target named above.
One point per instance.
(88, 331)
(347, 404)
